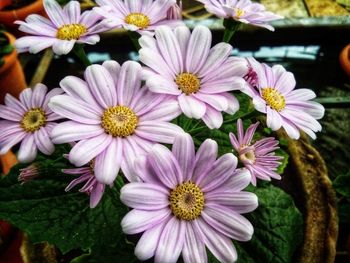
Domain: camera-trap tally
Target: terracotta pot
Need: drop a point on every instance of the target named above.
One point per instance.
(9, 16)
(12, 78)
(4, 3)
(344, 59)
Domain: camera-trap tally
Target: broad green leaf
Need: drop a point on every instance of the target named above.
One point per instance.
(341, 185)
(283, 165)
(43, 210)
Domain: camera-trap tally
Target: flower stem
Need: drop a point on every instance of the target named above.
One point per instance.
(134, 36)
(80, 53)
(231, 26)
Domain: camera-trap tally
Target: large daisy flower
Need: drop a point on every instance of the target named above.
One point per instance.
(244, 11)
(186, 202)
(143, 16)
(29, 120)
(259, 158)
(66, 27)
(113, 118)
(286, 107)
(184, 66)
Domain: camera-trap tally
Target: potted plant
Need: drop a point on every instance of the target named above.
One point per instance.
(12, 10)
(12, 78)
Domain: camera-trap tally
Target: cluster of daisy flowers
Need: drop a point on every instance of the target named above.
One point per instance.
(118, 116)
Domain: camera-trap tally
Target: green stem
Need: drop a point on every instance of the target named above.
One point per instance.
(231, 26)
(80, 53)
(134, 36)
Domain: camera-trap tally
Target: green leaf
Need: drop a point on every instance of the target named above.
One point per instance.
(278, 228)
(43, 210)
(341, 185)
(283, 165)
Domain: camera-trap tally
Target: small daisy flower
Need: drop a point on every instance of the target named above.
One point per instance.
(184, 66)
(141, 16)
(186, 202)
(28, 120)
(259, 158)
(91, 187)
(66, 27)
(284, 106)
(113, 118)
(244, 11)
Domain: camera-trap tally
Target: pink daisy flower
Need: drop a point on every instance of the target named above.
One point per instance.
(29, 120)
(91, 187)
(186, 202)
(184, 66)
(143, 16)
(66, 27)
(284, 106)
(113, 118)
(259, 158)
(244, 11)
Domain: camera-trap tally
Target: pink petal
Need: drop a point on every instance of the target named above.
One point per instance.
(171, 242)
(43, 141)
(78, 89)
(72, 12)
(184, 152)
(159, 84)
(162, 132)
(237, 182)
(101, 86)
(198, 49)
(227, 222)
(240, 202)
(220, 245)
(63, 47)
(213, 118)
(194, 248)
(113, 68)
(55, 12)
(191, 107)
(147, 245)
(10, 114)
(74, 109)
(205, 158)
(183, 35)
(26, 98)
(38, 97)
(85, 150)
(144, 196)
(96, 194)
(137, 221)
(222, 169)
(108, 162)
(217, 101)
(165, 166)
(165, 111)
(145, 171)
(28, 150)
(129, 82)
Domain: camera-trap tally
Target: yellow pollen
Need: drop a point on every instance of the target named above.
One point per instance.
(186, 201)
(274, 98)
(71, 31)
(33, 120)
(137, 19)
(188, 83)
(239, 12)
(119, 121)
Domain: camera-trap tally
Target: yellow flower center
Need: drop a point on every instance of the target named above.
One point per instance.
(33, 120)
(186, 201)
(239, 12)
(188, 83)
(71, 32)
(248, 156)
(119, 121)
(274, 98)
(137, 19)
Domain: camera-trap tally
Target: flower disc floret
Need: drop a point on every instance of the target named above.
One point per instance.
(33, 120)
(186, 201)
(188, 83)
(274, 98)
(137, 19)
(71, 32)
(119, 121)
